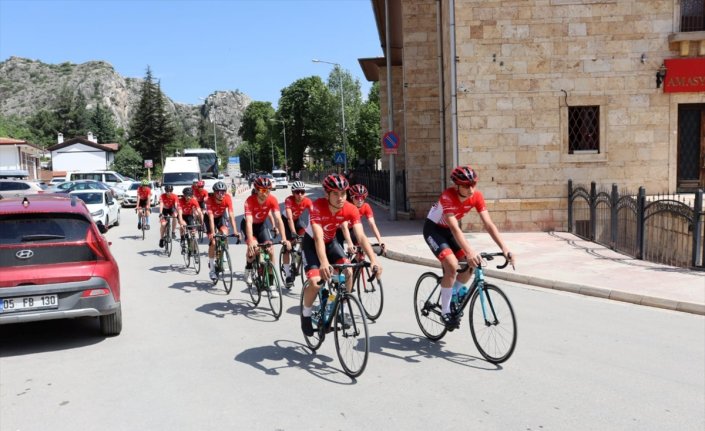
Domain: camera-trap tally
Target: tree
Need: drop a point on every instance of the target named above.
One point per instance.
(255, 128)
(367, 130)
(128, 161)
(102, 124)
(352, 98)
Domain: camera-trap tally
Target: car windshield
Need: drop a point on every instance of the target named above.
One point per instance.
(179, 178)
(135, 186)
(90, 198)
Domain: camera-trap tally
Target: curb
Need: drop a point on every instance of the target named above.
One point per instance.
(581, 289)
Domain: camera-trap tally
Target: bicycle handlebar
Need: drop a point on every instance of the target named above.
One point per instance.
(464, 265)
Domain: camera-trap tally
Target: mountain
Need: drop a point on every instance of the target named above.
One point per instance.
(27, 86)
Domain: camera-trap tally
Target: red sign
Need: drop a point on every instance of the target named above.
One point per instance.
(684, 75)
(390, 142)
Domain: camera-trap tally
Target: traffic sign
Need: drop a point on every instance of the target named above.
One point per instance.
(148, 164)
(339, 158)
(390, 142)
(234, 160)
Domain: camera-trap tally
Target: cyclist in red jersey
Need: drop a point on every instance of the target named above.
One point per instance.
(216, 206)
(257, 209)
(168, 205)
(199, 193)
(445, 238)
(320, 247)
(188, 210)
(144, 200)
(294, 206)
(357, 195)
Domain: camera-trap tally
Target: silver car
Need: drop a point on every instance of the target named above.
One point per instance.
(18, 188)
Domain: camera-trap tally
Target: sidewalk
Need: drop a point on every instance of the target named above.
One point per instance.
(562, 261)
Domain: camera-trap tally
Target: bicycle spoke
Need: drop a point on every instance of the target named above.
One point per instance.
(492, 324)
(351, 338)
(427, 306)
(370, 293)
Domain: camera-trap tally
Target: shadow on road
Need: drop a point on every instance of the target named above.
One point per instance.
(238, 307)
(48, 336)
(131, 236)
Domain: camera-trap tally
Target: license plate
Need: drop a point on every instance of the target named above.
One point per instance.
(25, 303)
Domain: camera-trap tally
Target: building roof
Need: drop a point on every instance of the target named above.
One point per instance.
(13, 141)
(370, 66)
(83, 140)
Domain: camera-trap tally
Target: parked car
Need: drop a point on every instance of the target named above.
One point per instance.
(103, 207)
(130, 198)
(280, 179)
(70, 186)
(110, 178)
(18, 188)
(55, 264)
(58, 180)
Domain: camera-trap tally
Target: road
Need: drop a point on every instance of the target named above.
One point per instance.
(191, 357)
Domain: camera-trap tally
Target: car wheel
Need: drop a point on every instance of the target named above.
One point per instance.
(111, 324)
(117, 220)
(107, 222)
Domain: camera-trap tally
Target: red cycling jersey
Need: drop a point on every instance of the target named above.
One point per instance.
(218, 208)
(168, 200)
(187, 206)
(366, 210)
(143, 192)
(297, 209)
(259, 212)
(329, 222)
(200, 194)
(450, 203)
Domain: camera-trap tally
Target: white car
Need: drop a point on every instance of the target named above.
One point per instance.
(103, 207)
(130, 198)
(280, 179)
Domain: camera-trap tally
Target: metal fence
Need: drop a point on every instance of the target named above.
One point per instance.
(661, 229)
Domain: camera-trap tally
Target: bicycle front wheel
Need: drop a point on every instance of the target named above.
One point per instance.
(196, 254)
(185, 252)
(315, 340)
(282, 273)
(352, 342)
(167, 241)
(253, 288)
(144, 222)
(300, 266)
(427, 306)
(227, 272)
(492, 324)
(274, 289)
(370, 293)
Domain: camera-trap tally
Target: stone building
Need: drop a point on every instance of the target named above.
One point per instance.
(532, 93)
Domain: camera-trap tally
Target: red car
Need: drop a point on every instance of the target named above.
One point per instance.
(56, 264)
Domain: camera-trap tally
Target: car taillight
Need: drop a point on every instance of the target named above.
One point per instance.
(95, 292)
(95, 245)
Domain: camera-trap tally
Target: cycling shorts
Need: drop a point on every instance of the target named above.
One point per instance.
(341, 239)
(219, 223)
(298, 225)
(189, 219)
(143, 203)
(168, 212)
(441, 241)
(334, 253)
(259, 230)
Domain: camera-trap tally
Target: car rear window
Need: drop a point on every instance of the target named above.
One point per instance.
(279, 175)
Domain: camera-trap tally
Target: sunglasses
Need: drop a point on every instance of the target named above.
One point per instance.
(359, 198)
(220, 192)
(263, 190)
(299, 192)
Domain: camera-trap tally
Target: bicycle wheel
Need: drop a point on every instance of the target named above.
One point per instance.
(427, 306)
(196, 254)
(167, 240)
(227, 271)
(144, 220)
(352, 342)
(495, 331)
(282, 273)
(253, 287)
(370, 293)
(185, 252)
(300, 265)
(274, 289)
(315, 340)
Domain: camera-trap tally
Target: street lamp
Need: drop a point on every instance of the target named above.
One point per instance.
(286, 159)
(342, 104)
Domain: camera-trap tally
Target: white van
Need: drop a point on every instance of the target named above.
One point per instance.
(180, 172)
(280, 179)
(110, 178)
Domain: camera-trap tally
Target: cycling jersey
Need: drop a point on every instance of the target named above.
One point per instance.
(366, 210)
(187, 206)
(200, 194)
(218, 208)
(329, 222)
(297, 208)
(144, 192)
(450, 203)
(168, 200)
(259, 212)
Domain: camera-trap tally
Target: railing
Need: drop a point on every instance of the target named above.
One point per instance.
(659, 229)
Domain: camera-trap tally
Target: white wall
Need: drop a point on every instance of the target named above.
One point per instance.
(9, 159)
(78, 157)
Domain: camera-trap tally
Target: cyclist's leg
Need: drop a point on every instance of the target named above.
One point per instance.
(439, 240)
(285, 253)
(336, 254)
(308, 248)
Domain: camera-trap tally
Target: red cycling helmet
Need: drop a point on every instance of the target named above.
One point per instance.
(335, 182)
(358, 191)
(464, 176)
(263, 183)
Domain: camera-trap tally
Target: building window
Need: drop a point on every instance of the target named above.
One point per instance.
(692, 15)
(583, 129)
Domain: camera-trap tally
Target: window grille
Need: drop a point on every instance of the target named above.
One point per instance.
(692, 15)
(584, 129)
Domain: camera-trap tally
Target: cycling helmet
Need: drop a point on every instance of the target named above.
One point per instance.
(195, 182)
(188, 192)
(220, 187)
(201, 184)
(263, 183)
(168, 188)
(359, 191)
(298, 185)
(145, 182)
(464, 176)
(335, 182)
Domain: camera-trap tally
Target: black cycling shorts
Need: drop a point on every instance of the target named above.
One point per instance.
(334, 253)
(441, 241)
(218, 222)
(168, 212)
(259, 231)
(298, 225)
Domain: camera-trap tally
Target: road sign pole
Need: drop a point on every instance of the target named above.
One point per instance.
(390, 117)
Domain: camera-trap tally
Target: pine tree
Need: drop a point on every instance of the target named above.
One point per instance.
(103, 125)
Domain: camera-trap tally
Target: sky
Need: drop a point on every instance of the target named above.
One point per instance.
(195, 48)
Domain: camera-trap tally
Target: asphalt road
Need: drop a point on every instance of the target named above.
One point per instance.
(191, 357)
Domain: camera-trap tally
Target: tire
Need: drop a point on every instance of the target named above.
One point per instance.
(352, 342)
(302, 271)
(253, 287)
(186, 256)
(281, 267)
(144, 219)
(227, 272)
(274, 303)
(117, 221)
(196, 255)
(111, 324)
(167, 240)
(315, 340)
(370, 294)
(496, 339)
(427, 306)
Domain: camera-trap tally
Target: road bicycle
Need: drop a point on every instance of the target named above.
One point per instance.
(335, 309)
(143, 220)
(492, 322)
(265, 279)
(366, 284)
(190, 249)
(296, 262)
(168, 234)
(223, 265)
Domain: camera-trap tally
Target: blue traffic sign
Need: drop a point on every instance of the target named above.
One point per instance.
(339, 158)
(390, 140)
(234, 160)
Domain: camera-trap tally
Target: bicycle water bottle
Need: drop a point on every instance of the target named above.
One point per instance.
(261, 257)
(330, 305)
(461, 293)
(341, 278)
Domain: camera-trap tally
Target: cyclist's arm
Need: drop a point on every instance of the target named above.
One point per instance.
(249, 237)
(375, 231)
(491, 228)
(161, 207)
(231, 216)
(181, 216)
(366, 247)
(290, 220)
(280, 223)
(211, 223)
(454, 227)
(346, 235)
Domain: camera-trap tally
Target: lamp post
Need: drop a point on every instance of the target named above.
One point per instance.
(286, 158)
(342, 104)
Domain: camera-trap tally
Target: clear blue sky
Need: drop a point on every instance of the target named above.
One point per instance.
(197, 47)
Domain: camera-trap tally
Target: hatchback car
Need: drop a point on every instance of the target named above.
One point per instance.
(280, 179)
(70, 186)
(103, 208)
(55, 264)
(19, 188)
(130, 198)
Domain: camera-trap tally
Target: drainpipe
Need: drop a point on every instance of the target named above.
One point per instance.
(453, 82)
(390, 117)
(441, 93)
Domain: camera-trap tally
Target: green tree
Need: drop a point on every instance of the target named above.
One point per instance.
(128, 161)
(255, 128)
(366, 135)
(102, 124)
(352, 99)
(14, 127)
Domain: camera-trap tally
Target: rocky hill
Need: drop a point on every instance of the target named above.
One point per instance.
(27, 86)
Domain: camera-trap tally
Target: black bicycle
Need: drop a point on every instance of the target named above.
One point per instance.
(366, 284)
(296, 262)
(223, 265)
(334, 309)
(190, 250)
(492, 322)
(265, 279)
(168, 235)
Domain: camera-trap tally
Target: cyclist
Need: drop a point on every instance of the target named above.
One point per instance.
(357, 195)
(445, 238)
(200, 194)
(188, 208)
(257, 209)
(144, 203)
(216, 206)
(168, 204)
(320, 247)
(294, 206)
